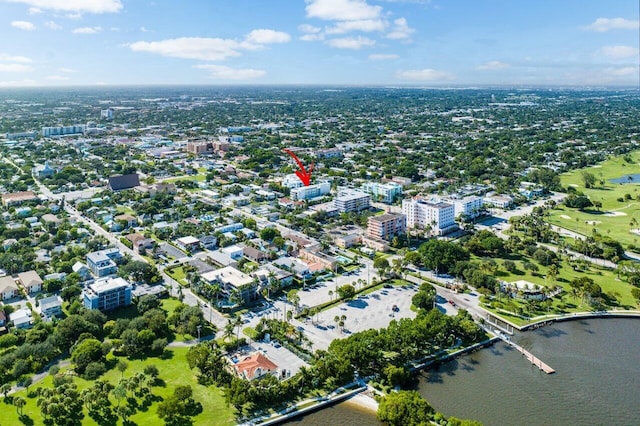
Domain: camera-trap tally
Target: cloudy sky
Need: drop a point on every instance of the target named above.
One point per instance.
(363, 42)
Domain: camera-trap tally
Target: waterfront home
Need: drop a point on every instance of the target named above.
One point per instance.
(255, 366)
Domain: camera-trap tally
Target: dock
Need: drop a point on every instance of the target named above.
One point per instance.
(532, 359)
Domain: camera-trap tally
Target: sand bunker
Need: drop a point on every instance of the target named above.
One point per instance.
(573, 185)
(592, 222)
(615, 214)
(564, 216)
(635, 231)
(596, 167)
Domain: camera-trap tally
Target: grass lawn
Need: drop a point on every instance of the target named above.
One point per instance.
(615, 217)
(174, 371)
(195, 178)
(618, 292)
(178, 274)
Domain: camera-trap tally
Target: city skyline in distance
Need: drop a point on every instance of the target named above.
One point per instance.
(333, 42)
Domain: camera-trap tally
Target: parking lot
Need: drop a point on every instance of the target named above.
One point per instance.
(372, 311)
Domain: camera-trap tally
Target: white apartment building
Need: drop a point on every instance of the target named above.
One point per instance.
(63, 130)
(383, 192)
(292, 181)
(351, 200)
(311, 191)
(438, 215)
(469, 206)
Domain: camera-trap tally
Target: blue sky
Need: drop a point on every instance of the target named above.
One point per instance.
(356, 42)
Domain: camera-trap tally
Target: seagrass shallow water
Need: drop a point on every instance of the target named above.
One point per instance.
(597, 381)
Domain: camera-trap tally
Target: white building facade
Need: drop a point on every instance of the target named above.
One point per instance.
(383, 192)
(422, 214)
(311, 191)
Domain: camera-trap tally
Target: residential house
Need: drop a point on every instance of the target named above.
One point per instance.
(8, 288)
(103, 262)
(3, 319)
(254, 254)
(234, 252)
(269, 272)
(299, 268)
(30, 281)
(51, 306)
(82, 270)
(255, 366)
(189, 243)
(126, 219)
(21, 318)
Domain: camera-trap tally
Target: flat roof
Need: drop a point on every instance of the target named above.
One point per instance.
(108, 285)
(188, 240)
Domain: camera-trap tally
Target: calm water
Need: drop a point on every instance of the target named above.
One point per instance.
(597, 380)
(625, 179)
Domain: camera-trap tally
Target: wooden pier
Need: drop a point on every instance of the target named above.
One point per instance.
(532, 359)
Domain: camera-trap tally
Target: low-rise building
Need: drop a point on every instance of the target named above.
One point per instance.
(499, 201)
(107, 294)
(233, 281)
(102, 263)
(271, 272)
(255, 366)
(21, 318)
(15, 198)
(189, 243)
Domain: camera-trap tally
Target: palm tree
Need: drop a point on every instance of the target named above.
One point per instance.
(228, 330)
(19, 404)
(5, 388)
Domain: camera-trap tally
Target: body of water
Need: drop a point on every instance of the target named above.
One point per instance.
(597, 380)
(635, 178)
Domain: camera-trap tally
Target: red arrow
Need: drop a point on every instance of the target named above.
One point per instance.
(302, 174)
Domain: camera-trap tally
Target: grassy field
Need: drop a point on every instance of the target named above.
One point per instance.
(178, 274)
(618, 292)
(616, 219)
(174, 371)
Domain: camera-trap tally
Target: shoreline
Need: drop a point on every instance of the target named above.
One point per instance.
(363, 401)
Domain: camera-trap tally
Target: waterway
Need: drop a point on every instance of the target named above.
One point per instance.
(597, 380)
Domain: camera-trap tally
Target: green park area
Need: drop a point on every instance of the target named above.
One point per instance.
(616, 206)
(174, 371)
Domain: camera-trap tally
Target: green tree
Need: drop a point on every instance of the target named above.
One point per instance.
(86, 352)
(346, 292)
(405, 408)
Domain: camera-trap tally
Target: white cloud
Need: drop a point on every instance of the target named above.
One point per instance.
(17, 83)
(52, 25)
(87, 30)
(622, 72)
(56, 78)
(206, 49)
(15, 68)
(365, 25)
(312, 37)
(342, 10)
(79, 6)
(144, 29)
(492, 66)
(619, 52)
(34, 11)
(602, 25)
(400, 30)
(67, 70)
(309, 29)
(263, 36)
(210, 49)
(221, 72)
(427, 74)
(23, 25)
(11, 58)
(382, 57)
(353, 43)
